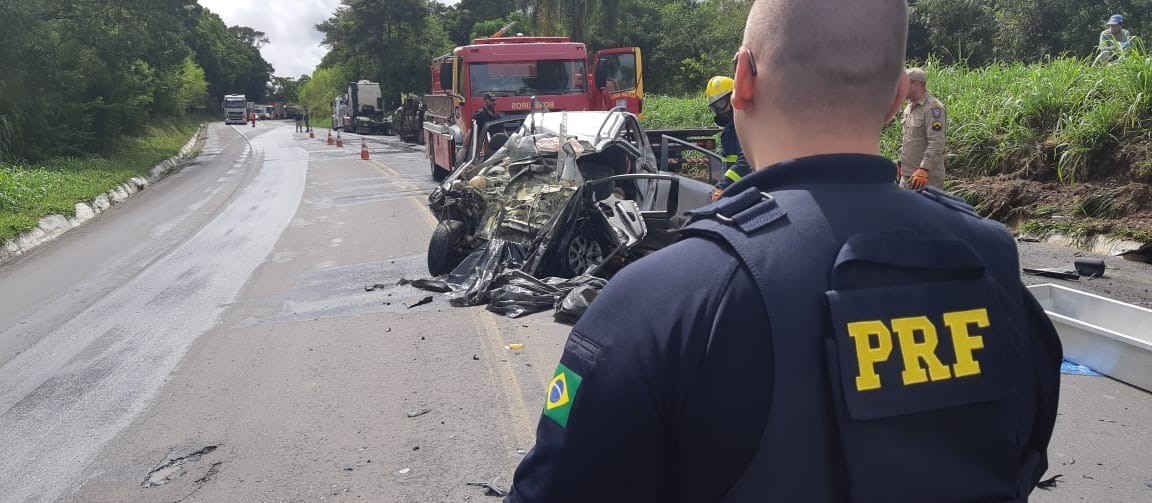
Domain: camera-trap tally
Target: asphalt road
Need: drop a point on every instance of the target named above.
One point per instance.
(212, 340)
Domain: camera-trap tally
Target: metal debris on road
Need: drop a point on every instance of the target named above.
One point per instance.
(421, 302)
(430, 285)
(490, 488)
(1141, 254)
(1053, 272)
(373, 288)
(418, 412)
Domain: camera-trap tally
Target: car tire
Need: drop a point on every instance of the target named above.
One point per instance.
(580, 250)
(443, 249)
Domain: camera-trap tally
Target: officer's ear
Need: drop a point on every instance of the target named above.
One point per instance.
(745, 79)
(902, 85)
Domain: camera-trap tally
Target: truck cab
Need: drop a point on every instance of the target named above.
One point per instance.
(524, 74)
(235, 109)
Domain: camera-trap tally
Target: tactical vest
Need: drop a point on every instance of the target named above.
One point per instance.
(893, 375)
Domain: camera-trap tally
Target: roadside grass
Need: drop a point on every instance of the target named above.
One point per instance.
(1061, 120)
(30, 192)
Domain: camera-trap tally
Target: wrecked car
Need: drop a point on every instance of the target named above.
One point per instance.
(575, 193)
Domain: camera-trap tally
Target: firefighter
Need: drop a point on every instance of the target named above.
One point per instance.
(925, 126)
(718, 93)
(819, 334)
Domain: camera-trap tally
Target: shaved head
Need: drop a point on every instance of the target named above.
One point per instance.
(822, 61)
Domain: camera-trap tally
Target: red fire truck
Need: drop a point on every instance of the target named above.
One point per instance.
(524, 74)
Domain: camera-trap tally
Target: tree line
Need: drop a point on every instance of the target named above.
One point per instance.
(685, 42)
(78, 76)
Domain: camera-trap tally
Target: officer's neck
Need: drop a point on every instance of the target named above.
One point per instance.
(776, 145)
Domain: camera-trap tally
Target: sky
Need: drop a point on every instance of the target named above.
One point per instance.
(295, 46)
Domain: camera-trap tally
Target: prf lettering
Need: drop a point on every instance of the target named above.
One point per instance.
(873, 341)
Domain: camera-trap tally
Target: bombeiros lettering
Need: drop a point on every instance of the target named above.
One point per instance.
(874, 341)
(528, 105)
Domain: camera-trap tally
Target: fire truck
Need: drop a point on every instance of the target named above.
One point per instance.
(524, 74)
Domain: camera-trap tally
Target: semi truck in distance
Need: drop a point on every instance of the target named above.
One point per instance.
(360, 110)
(235, 109)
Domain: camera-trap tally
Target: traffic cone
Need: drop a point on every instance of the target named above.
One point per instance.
(363, 149)
(339, 141)
(330, 137)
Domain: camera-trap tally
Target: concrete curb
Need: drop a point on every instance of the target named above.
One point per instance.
(52, 227)
(1100, 245)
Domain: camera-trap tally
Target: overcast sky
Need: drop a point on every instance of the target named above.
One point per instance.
(295, 49)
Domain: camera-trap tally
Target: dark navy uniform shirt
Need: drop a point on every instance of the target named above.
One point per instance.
(664, 386)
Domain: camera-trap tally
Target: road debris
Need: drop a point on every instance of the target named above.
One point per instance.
(1090, 267)
(1049, 483)
(374, 287)
(1053, 272)
(490, 488)
(404, 471)
(421, 302)
(418, 412)
(475, 357)
(1141, 254)
(515, 346)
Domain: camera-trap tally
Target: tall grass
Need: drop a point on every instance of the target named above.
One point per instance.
(29, 192)
(1059, 119)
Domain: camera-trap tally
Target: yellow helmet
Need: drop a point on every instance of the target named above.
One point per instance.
(718, 88)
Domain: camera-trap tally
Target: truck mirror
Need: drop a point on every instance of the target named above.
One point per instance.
(446, 76)
(601, 73)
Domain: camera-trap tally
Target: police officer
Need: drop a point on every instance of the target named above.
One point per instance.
(718, 93)
(832, 337)
(925, 125)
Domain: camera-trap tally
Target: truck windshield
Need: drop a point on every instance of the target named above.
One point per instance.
(235, 104)
(526, 78)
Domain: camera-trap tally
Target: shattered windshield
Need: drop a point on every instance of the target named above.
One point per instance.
(524, 78)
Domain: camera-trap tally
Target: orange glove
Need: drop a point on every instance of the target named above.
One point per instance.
(919, 179)
(716, 194)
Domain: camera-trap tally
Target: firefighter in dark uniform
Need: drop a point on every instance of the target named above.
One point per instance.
(719, 95)
(829, 336)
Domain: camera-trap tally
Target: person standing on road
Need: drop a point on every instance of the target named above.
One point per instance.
(831, 336)
(1114, 40)
(300, 123)
(925, 127)
(719, 95)
(307, 124)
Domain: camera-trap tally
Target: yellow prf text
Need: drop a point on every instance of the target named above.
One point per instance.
(873, 341)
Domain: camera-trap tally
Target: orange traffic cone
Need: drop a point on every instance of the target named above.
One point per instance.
(329, 136)
(363, 149)
(339, 141)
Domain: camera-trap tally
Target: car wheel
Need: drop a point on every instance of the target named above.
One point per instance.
(581, 253)
(444, 252)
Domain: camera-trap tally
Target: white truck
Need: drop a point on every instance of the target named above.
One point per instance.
(235, 109)
(361, 110)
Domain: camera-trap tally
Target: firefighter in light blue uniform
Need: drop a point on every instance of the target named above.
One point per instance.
(820, 334)
(718, 93)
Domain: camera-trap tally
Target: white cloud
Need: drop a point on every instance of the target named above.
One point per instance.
(295, 45)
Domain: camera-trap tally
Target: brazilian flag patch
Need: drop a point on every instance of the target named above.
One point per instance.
(561, 392)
